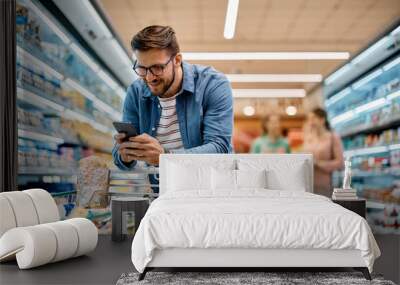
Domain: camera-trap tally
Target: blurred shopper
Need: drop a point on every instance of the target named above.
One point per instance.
(326, 148)
(176, 107)
(271, 141)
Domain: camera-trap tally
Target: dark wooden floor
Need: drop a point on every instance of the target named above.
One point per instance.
(102, 266)
(111, 259)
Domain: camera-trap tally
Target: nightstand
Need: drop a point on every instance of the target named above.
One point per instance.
(357, 206)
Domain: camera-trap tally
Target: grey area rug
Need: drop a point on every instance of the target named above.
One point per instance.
(229, 278)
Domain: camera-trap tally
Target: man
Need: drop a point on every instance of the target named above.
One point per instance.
(175, 106)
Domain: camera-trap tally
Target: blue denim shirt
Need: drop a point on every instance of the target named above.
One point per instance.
(204, 108)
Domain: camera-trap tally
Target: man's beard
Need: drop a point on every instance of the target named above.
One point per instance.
(166, 86)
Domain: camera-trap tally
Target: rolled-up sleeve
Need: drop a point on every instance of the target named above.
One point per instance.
(217, 120)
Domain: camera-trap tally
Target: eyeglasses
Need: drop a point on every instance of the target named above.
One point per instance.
(156, 69)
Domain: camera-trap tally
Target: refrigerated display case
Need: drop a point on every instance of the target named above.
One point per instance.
(66, 103)
(366, 114)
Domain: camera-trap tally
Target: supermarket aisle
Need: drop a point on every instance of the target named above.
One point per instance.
(74, 63)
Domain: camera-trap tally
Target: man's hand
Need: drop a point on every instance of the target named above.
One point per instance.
(123, 150)
(141, 147)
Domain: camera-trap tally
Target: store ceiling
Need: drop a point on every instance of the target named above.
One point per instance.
(262, 25)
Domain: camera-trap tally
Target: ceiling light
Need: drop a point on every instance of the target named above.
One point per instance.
(291, 110)
(230, 19)
(367, 79)
(87, 59)
(268, 93)
(265, 55)
(274, 77)
(249, 111)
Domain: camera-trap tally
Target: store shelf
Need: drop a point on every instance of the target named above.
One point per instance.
(39, 136)
(375, 205)
(68, 113)
(392, 122)
(42, 171)
(371, 150)
(99, 104)
(372, 173)
(364, 108)
(58, 194)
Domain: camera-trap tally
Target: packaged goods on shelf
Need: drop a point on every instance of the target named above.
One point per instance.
(93, 182)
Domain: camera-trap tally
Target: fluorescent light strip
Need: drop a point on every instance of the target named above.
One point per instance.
(50, 23)
(369, 50)
(96, 17)
(338, 96)
(265, 55)
(371, 105)
(364, 151)
(230, 19)
(367, 78)
(274, 77)
(85, 57)
(268, 93)
(108, 80)
(393, 95)
(391, 64)
(24, 54)
(339, 73)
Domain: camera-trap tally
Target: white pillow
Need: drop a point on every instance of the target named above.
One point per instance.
(282, 173)
(183, 177)
(223, 179)
(251, 178)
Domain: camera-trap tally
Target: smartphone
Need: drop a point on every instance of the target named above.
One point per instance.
(127, 128)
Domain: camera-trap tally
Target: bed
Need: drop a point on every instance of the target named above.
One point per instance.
(245, 211)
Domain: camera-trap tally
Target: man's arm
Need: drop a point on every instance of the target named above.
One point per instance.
(217, 121)
(129, 114)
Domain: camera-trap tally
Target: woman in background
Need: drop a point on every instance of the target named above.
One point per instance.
(326, 148)
(271, 141)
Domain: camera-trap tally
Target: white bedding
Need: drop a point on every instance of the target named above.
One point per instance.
(251, 218)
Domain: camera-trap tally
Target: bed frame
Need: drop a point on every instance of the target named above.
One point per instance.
(247, 259)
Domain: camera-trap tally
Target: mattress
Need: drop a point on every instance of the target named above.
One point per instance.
(251, 219)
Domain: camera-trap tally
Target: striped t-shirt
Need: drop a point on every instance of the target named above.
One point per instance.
(168, 133)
